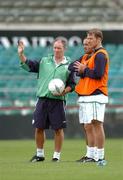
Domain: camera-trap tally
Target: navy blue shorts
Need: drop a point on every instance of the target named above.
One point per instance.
(49, 113)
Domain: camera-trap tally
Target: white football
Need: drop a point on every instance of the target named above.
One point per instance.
(56, 86)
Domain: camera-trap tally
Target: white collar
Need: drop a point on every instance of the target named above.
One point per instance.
(64, 61)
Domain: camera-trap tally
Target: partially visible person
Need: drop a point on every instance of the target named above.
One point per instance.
(93, 94)
(89, 135)
(50, 109)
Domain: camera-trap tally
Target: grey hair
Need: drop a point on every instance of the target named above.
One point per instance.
(62, 40)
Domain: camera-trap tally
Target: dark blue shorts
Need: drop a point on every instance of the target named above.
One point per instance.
(49, 113)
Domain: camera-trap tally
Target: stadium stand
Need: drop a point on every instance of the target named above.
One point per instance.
(13, 89)
(65, 11)
(18, 88)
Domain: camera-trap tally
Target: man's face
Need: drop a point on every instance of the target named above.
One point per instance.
(58, 49)
(93, 41)
(87, 47)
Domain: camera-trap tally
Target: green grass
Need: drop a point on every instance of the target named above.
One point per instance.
(14, 164)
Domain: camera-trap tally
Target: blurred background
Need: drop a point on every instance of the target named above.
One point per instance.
(38, 23)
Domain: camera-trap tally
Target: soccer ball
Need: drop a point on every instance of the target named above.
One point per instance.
(56, 86)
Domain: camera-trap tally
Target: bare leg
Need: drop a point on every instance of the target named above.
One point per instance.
(100, 135)
(86, 140)
(90, 143)
(59, 137)
(90, 135)
(39, 138)
(100, 139)
(91, 140)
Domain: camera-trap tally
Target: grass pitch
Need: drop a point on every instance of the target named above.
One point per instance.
(15, 155)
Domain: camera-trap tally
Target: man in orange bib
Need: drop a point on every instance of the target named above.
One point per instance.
(93, 95)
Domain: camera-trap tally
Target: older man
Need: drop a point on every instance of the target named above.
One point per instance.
(49, 110)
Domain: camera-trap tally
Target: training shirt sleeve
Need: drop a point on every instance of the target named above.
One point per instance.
(71, 81)
(33, 65)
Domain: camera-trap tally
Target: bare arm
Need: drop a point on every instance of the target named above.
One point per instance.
(21, 52)
(31, 65)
